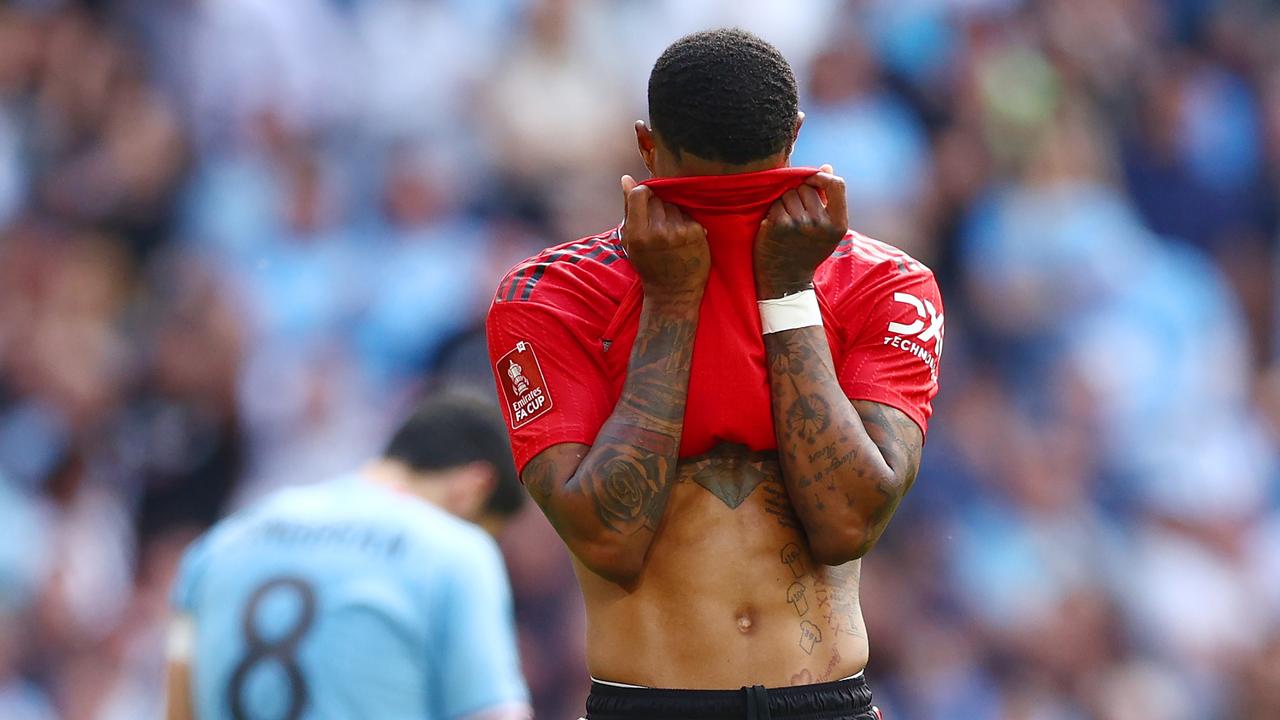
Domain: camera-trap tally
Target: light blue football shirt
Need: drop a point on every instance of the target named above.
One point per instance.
(348, 600)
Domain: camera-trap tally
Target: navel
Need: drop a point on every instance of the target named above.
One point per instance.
(746, 620)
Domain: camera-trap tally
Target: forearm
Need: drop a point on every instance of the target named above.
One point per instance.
(178, 692)
(608, 509)
(180, 642)
(841, 486)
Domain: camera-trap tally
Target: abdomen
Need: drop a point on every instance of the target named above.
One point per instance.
(730, 595)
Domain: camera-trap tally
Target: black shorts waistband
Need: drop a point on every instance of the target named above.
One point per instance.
(840, 700)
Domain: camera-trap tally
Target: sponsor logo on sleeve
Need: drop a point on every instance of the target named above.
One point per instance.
(524, 390)
(925, 329)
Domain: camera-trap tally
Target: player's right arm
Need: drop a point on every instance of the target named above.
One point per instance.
(606, 500)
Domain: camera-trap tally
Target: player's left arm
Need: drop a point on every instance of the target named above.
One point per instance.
(846, 465)
(180, 636)
(178, 683)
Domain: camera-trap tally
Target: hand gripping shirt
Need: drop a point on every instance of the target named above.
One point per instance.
(562, 324)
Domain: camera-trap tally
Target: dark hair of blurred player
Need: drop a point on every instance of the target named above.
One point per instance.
(453, 452)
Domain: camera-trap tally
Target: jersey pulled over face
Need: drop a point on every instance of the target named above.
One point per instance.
(562, 324)
(348, 600)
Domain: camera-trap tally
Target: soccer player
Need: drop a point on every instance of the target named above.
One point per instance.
(369, 596)
(719, 405)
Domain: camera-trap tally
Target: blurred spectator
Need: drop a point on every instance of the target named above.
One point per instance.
(869, 136)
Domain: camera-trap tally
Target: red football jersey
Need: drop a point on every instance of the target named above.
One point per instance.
(562, 324)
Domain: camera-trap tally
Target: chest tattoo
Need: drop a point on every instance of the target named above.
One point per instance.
(730, 472)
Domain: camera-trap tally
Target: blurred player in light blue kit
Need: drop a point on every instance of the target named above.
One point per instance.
(368, 596)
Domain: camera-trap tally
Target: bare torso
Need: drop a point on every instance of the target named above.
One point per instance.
(729, 594)
(703, 572)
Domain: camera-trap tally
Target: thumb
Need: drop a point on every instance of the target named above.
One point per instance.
(635, 201)
(628, 184)
(826, 168)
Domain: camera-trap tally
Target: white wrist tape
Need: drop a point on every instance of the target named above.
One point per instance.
(181, 640)
(788, 313)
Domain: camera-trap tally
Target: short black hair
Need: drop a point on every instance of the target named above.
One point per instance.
(451, 429)
(723, 95)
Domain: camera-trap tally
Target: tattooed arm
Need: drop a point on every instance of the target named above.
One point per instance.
(606, 501)
(846, 465)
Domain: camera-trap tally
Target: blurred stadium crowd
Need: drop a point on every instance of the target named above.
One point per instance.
(238, 236)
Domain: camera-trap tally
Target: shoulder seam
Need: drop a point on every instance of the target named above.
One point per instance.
(518, 285)
(876, 252)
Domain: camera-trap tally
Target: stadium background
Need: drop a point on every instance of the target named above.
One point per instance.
(238, 236)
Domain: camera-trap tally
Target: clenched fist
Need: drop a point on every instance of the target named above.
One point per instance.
(802, 230)
(667, 249)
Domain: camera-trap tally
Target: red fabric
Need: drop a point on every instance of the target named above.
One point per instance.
(577, 306)
(728, 386)
(560, 301)
(884, 319)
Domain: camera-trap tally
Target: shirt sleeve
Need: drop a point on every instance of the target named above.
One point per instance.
(480, 666)
(550, 377)
(182, 596)
(893, 356)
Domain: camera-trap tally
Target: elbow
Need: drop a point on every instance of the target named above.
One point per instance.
(613, 561)
(838, 546)
(841, 540)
